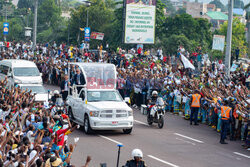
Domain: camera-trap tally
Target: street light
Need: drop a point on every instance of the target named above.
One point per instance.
(88, 4)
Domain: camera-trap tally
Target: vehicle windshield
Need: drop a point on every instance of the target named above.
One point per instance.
(35, 89)
(94, 96)
(160, 101)
(26, 71)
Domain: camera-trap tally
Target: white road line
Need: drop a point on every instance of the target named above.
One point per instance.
(186, 141)
(165, 162)
(243, 155)
(107, 138)
(190, 138)
(141, 122)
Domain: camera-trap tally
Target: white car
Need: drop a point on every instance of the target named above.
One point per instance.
(99, 108)
(20, 72)
(41, 95)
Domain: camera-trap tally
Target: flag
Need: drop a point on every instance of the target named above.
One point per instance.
(187, 63)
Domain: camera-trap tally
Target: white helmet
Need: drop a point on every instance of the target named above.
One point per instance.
(154, 92)
(137, 153)
(56, 92)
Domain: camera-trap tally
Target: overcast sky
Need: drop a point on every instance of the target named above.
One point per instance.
(223, 1)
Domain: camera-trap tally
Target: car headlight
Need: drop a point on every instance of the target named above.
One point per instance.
(130, 113)
(94, 113)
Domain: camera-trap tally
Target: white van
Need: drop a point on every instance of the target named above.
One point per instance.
(20, 72)
(97, 105)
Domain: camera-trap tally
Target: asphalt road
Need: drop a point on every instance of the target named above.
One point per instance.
(178, 144)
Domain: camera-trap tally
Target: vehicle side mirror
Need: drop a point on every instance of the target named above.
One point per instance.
(41, 74)
(9, 75)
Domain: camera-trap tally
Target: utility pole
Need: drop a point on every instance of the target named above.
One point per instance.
(35, 25)
(87, 25)
(229, 36)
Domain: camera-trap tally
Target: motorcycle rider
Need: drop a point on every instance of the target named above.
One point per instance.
(152, 102)
(137, 159)
(55, 96)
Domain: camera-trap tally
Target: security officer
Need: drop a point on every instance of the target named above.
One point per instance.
(137, 159)
(225, 120)
(195, 107)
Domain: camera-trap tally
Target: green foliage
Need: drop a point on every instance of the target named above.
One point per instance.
(16, 31)
(238, 37)
(25, 4)
(50, 21)
(187, 31)
(169, 6)
(100, 19)
(216, 54)
(181, 11)
(218, 4)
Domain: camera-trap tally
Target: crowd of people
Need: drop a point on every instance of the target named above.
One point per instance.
(138, 76)
(29, 134)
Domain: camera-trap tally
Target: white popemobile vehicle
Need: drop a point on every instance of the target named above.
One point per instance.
(97, 105)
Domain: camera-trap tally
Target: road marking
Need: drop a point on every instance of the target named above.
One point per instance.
(243, 155)
(141, 122)
(165, 162)
(107, 138)
(190, 138)
(185, 141)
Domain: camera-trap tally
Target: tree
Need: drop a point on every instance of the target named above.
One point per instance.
(238, 35)
(50, 22)
(185, 30)
(169, 6)
(181, 11)
(25, 4)
(218, 4)
(100, 18)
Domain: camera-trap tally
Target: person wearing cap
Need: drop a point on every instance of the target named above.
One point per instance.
(137, 161)
(195, 107)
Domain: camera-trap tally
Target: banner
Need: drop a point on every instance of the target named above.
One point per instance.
(187, 63)
(87, 33)
(218, 42)
(140, 22)
(97, 35)
(5, 28)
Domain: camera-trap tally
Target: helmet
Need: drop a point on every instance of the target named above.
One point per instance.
(154, 92)
(137, 153)
(56, 92)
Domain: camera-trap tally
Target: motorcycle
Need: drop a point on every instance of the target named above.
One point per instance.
(57, 107)
(159, 110)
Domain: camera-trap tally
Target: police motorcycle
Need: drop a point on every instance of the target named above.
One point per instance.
(57, 104)
(156, 113)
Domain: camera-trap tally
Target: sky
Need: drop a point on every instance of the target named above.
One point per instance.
(225, 2)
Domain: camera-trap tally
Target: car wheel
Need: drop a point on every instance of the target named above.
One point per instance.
(87, 128)
(70, 113)
(127, 131)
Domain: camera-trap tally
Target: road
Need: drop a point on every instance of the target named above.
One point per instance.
(178, 144)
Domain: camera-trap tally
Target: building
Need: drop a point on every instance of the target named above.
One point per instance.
(195, 9)
(216, 18)
(177, 4)
(211, 7)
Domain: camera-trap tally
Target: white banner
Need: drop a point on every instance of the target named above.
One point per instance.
(140, 22)
(187, 63)
(218, 42)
